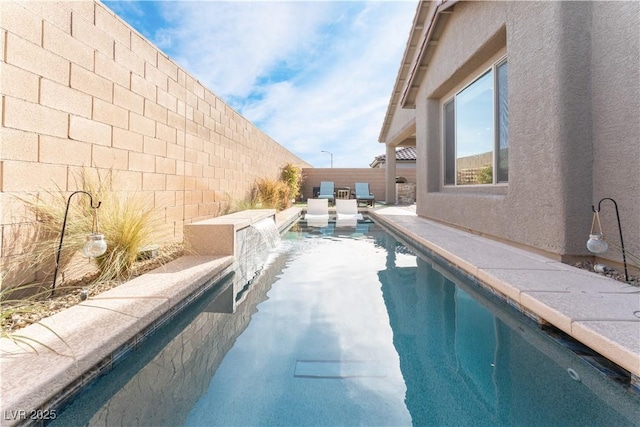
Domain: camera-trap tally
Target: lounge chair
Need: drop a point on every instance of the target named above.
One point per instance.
(348, 222)
(347, 209)
(364, 195)
(317, 212)
(327, 191)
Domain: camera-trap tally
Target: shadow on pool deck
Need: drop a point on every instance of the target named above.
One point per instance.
(597, 311)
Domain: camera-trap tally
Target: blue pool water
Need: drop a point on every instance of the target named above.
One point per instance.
(347, 326)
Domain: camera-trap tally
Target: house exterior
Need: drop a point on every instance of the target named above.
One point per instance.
(405, 158)
(523, 116)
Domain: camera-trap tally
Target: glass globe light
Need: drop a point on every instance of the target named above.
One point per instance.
(95, 245)
(596, 244)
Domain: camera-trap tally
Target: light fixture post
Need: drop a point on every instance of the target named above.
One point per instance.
(64, 226)
(324, 151)
(624, 256)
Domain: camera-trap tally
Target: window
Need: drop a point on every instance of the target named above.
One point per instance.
(473, 149)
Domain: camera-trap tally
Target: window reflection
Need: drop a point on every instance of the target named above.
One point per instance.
(474, 132)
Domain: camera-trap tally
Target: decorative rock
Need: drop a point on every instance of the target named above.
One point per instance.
(148, 252)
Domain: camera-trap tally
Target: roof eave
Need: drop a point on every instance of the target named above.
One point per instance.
(429, 43)
(412, 58)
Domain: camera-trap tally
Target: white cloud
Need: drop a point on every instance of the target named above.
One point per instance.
(312, 75)
(341, 109)
(230, 46)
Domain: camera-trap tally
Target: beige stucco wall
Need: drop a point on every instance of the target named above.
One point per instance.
(80, 88)
(402, 125)
(573, 129)
(615, 115)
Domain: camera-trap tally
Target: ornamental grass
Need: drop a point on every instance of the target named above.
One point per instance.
(125, 218)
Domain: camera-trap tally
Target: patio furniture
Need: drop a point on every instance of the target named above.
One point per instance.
(327, 191)
(317, 214)
(317, 208)
(363, 195)
(347, 209)
(348, 222)
(343, 193)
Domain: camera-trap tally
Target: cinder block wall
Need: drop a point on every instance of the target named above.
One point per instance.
(82, 89)
(347, 177)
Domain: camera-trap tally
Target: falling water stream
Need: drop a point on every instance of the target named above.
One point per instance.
(268, 230)
(255, 242)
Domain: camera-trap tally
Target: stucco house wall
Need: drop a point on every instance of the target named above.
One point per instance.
(573, 94)
(615, 124)
(81, 89)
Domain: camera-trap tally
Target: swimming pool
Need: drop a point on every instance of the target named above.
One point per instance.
(347, 326)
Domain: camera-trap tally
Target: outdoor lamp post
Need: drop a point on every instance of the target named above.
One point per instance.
(323, 151)
(95, 244)
(596, 243)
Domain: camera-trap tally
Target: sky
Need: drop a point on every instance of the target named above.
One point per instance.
(313, 75)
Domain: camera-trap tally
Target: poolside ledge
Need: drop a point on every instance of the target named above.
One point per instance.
(598, 311)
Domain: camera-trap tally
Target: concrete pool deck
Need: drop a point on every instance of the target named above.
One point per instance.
(600, 312)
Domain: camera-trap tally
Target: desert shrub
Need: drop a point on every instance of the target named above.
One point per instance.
(292, 176)
(245, 204)
(125, 219)
(273, 194)
(127, 223)
(485, 175)
(284, 196)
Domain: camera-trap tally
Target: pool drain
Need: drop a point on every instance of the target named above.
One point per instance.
(573, 374)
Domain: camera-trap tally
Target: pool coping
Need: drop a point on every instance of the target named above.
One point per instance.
(33, 385)
(595, 310)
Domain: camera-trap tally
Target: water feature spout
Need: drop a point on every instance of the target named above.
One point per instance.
(255, 244)
(268, 230)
